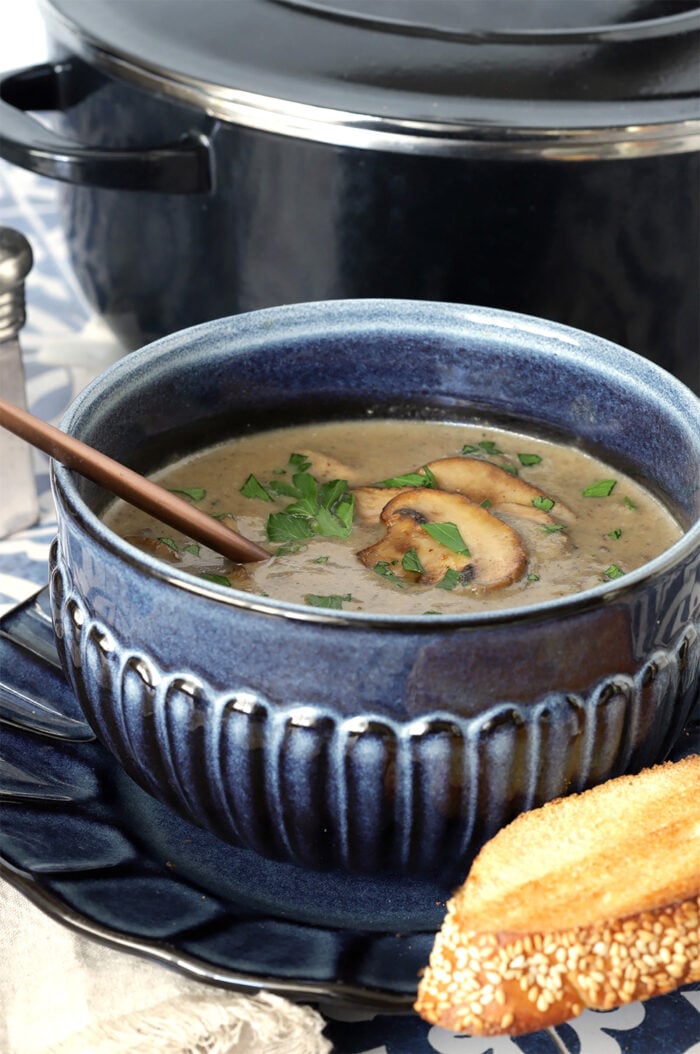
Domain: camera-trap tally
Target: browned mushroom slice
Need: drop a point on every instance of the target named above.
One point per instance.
(325, 468)
(483, 481)
(157, 547)
(495, 556)
(369, 502)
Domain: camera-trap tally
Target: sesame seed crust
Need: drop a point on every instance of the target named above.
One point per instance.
(492, 982)
(488, 984)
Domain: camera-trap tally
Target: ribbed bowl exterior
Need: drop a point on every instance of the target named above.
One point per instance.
(368, 794)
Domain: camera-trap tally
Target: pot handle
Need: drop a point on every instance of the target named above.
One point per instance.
(182, 167)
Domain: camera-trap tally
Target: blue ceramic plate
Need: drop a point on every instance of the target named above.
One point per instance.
(97, 852)
(90, 847)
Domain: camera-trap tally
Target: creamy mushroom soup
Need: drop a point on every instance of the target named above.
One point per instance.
(410, 517)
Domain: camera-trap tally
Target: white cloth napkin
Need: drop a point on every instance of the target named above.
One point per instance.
(63, 993)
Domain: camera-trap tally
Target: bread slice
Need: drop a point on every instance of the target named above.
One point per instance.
(589, 901)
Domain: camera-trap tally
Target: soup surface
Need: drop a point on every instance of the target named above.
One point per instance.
(409, 517)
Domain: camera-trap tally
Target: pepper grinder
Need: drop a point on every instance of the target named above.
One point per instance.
(18, 498)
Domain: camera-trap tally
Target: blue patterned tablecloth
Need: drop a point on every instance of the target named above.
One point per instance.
(64, 346)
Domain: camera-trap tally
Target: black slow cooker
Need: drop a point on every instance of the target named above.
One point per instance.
(223, 155)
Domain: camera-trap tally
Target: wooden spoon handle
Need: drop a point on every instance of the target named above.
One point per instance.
(134, 488)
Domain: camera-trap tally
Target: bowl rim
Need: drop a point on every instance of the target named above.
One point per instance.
(543, 335)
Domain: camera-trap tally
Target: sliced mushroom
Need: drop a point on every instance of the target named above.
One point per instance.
(325, 468)
(495, 558)
(369, 501)
(483, 481)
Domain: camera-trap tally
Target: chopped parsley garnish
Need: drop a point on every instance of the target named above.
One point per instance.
(486, 503)
(409, 479)
(529, 459)
(193, 493)
(602, 489)
(220, 580)
(485, 446)
(449, 580)
(193, 549)
(545, 504)
(613, 571)
(629, 503)
(253, 488)
(281, 527)
(383, 568)
(617, 533)
(300, 462)
(552, 528)
(171, 544)
(411, 561)
(448, 535)
(320, 560)
(333, 600)
(532, 577)
(324, 509)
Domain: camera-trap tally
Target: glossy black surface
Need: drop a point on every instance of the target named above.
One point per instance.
(538, 64)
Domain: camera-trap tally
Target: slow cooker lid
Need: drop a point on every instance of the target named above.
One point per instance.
(609, 76)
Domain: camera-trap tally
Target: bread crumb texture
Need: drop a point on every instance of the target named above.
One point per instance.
(496, 968)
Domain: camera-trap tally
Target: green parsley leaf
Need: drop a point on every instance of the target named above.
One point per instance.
(602, 489)
(486, 446)
(283, 527)
(320, 560)
(613, 571)
(300, 462)
(545, 504)
(448, 535)
(532, 577)
(430, 476)
(552, 528)
(220, 580)
(382, 568)
(282, 489)
(411, 561)
(617, 533)
(529, 459)
(193, 549)
(336, 524)
(449, 580)
(629, 503)
(333, 600)
(171, 544)
(253, 488)
(193, 493)
(486, 503)
(408, 479)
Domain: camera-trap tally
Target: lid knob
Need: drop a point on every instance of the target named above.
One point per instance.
(16, 260)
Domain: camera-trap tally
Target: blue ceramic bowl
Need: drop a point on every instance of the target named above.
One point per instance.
(375, 743)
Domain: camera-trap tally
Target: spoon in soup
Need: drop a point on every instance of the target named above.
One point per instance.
(129, 485)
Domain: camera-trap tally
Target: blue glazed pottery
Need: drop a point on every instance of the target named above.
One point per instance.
(375, 743)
